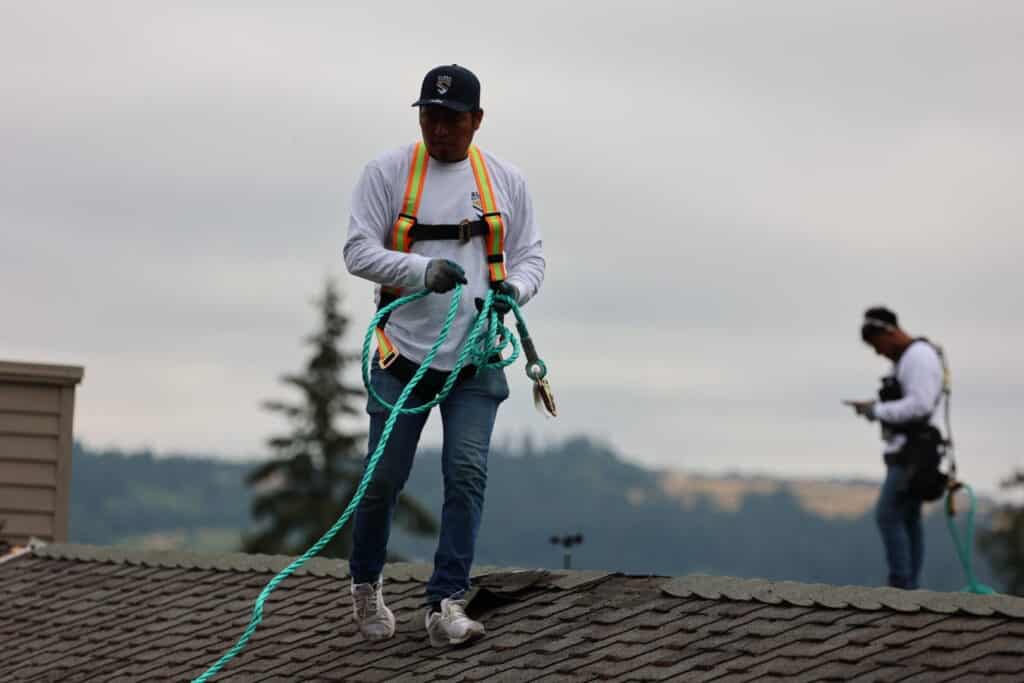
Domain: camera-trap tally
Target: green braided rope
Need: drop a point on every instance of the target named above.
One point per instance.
(471, 350)
(963, 549)
(474, 351)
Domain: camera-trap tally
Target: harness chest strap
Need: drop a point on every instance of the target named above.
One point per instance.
(406, 230)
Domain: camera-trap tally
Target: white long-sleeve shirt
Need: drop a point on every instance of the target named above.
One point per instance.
(920, 374)
(449, 197)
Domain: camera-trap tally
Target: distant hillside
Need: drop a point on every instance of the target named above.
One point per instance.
(633, 519)
(165, 502)
(833, 499)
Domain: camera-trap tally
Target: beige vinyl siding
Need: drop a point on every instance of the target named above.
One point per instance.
(36, 416)
(29, 398)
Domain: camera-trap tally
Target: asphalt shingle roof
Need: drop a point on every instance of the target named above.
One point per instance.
(80, 613)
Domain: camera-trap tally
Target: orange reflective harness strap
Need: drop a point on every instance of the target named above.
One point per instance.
(495, 224)
(401, 240)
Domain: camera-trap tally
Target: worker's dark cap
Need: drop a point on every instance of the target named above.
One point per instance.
(878, 320)
(452, 86)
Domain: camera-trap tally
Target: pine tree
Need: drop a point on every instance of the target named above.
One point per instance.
(317, 465)
(1003, 542)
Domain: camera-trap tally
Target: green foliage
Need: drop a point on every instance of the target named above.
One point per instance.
(302, 491)
(1003, 542)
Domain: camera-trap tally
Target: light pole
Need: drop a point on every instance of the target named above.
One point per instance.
(567, 542)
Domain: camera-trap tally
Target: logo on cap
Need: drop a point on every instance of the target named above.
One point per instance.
(443, 83)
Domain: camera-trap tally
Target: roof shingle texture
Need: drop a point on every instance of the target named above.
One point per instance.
(78, 613)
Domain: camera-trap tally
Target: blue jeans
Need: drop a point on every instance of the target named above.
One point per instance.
(898, 514)
(467, 415)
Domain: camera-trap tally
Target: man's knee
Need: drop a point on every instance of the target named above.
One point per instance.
(381, 491)
(886, 515)
(467, 478)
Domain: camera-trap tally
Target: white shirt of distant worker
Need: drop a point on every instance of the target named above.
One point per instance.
(449, 116)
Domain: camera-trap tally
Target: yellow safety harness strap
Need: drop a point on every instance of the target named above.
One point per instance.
(496, 234)
(401, 240)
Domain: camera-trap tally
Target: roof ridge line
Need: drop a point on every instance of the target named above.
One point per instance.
(864, 598)
(184, 559)
(272, 564)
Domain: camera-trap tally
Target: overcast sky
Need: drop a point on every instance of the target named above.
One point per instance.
(722, 188)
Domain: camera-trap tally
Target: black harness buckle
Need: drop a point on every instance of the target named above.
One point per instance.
(464, 231)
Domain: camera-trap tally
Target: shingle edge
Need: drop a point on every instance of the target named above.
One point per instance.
(838, 597)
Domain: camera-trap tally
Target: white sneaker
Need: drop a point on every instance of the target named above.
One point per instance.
(451, 626)
(372, 616)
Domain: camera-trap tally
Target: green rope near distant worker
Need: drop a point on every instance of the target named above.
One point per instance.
(964, 546)
(476, 351)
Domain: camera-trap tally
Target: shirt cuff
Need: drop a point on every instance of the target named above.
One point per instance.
(520, 298)
(416, 272)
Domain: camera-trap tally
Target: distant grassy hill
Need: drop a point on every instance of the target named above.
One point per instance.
(832, 499)
(633, 519)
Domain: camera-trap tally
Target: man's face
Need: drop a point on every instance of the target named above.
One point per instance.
(885, 344)
(448, 133)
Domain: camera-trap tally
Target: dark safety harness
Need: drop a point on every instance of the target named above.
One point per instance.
(925, 446)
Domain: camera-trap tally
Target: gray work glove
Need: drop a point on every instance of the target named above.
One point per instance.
(500, 307)
(442, 275)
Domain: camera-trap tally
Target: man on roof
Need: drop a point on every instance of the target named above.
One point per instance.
(431, 215)
(907, 402)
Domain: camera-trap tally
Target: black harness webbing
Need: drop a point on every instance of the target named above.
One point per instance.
(463, 232)
(422, 232)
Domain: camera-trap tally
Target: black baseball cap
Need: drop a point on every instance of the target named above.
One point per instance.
(878, 320)
(452, 86)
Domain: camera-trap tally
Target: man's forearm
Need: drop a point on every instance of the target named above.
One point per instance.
(368, 259)
(905, 409)
(527, 275)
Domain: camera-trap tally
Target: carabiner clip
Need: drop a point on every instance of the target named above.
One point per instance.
(543, 398)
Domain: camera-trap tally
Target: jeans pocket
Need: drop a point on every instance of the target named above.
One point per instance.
(386, 386)
(495, 383)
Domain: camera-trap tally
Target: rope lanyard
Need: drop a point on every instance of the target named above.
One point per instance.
(477, 349)
(965, 545)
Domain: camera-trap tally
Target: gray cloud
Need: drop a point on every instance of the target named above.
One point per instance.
(722, 190)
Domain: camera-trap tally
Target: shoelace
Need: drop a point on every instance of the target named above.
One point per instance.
(455, 611)
(363, 601)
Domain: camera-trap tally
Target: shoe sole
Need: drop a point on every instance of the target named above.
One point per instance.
(383, 636)
(374, 638)
(471, 636)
